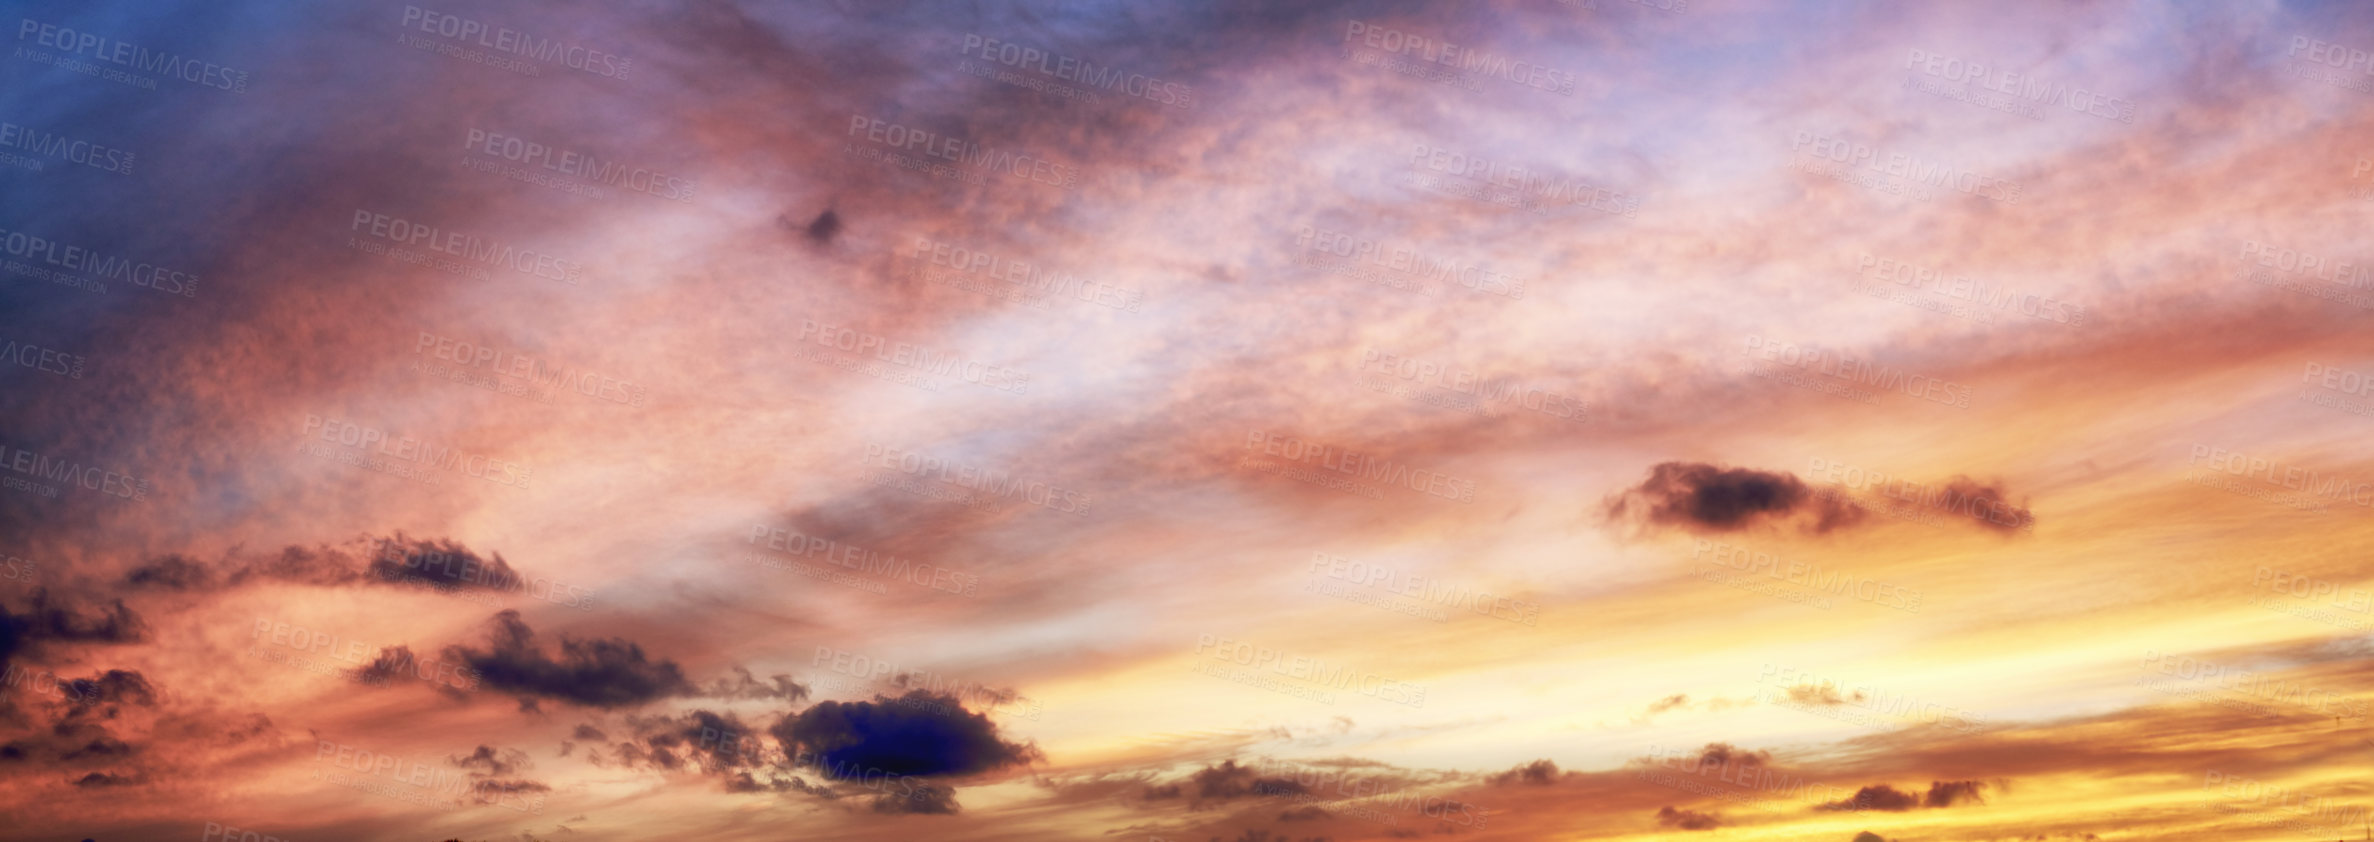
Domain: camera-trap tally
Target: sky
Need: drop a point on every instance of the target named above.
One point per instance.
(1252, 422)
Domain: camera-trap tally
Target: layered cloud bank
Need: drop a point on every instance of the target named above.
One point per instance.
(1521, 420)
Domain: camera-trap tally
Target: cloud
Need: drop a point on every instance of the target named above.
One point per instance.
(442, 564)
(108, 689)
(747, 687)
(921, 800)
(918, 734)
(1687, 819)
(102, 780)
(1539, 773)
(1875, 797)
(486, 762)
(1725, 754)
(1948, 793)
(1229, 780)
(439, 564)
(711, 743)
(1985, 504)
(597, 673)
(1884, 797)
(48, 619)
(1699, 497)
(1824, 694)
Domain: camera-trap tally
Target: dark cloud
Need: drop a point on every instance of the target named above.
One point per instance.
(171, 573)
(1539, 773)
(1875, 797)
(101, 780)
(1710, 498)
(599, 673)
(48, 619)
(826, 226)
(486, 762)
(921, 733)
(1986, 505)
(717, 744)
(1725, 754)
(104, 692)
(440, 564)
(588, 732)
(920, 800)
(1229, 780)
(1668, 703)
(1949, 793)
(398, 560)
(746, 686)
(1885, 797)
(1687, 819)
(318, 566)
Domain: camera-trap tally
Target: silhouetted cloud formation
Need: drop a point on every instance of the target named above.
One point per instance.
(920, 733)
(1710, 498)
(599, 673)
(1687, 819)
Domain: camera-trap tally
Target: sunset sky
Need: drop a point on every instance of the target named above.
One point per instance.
(1254, 422)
